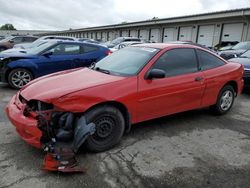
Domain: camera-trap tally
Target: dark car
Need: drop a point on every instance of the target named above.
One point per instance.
(236, 51)
(119, 40)
(244, 59)
(225, 45)
(9, 42)
(21, 67)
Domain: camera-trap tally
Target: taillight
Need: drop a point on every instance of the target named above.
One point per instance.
(108, 52)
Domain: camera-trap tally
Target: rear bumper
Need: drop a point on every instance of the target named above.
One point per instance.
(26, 127)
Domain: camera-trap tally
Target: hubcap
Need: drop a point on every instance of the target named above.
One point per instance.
(226, 100)
(20, 78)
(104, 127)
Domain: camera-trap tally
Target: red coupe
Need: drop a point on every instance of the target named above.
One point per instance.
(132, 85)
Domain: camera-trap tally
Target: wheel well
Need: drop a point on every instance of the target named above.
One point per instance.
(234, 85)
(9, 70)
(123, 109)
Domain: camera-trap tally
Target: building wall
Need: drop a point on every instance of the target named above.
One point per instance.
(184, 28)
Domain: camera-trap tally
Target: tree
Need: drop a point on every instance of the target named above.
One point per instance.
(7, 27)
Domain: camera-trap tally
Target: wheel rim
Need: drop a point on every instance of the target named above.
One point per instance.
(20, 78)
(104, 128)
(226, 100)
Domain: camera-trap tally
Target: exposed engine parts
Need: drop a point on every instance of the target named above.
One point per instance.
(63, 133)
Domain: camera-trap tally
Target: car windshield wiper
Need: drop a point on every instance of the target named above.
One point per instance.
(102, 70)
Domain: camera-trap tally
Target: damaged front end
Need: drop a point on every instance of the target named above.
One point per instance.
(63, 133)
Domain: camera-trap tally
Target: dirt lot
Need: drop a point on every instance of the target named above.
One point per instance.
(191, 149)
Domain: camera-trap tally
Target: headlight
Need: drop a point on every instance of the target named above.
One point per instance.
(35, 105)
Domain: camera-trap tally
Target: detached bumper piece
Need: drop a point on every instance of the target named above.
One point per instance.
(62, 161)
(62, 137)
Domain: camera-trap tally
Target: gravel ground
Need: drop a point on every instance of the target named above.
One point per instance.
(191, 149)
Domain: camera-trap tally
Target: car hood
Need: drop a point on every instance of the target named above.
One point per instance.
(244, 61)
(14, 54)
(232, 52)
(56, 85)
(22, 45)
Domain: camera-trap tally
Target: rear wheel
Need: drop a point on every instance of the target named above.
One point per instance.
(225, 100)
(19, 77)
(110, 125)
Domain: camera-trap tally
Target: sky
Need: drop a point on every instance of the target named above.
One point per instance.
(65, 14)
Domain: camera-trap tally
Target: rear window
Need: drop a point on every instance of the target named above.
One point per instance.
(88, 48)
(208, 61)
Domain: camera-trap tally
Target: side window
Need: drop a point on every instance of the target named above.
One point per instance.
(29, 39)
(65, 49)
(17, 40)
(208, 61)
(177, 62)
(88, 48)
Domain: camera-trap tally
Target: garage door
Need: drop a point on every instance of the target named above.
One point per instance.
(232, 32)
(125, 33)
(133, 33)
(206, 35)
(110, 35)
(185, 34)
(144, 34)
(168, 34)
(99, 35)
(104, 36)
(155, 35)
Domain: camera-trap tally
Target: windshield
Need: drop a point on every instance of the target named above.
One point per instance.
(117, 41)
(127, 61)
(37, 43)
(242, 46)
(246, 54)
(39, 49)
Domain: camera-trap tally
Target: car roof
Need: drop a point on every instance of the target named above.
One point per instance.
(78, 42)
(162, 45)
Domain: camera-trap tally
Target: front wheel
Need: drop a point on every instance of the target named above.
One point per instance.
(110, 125)
(225, 100)
(19, 77)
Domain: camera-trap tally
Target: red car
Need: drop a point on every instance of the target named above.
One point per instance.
(132, 85)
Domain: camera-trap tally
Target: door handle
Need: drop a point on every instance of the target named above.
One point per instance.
(198, 79)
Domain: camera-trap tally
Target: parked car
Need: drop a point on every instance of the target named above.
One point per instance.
(44, 38)
(20, 68)
(9, 42)
(244, 59)
(236, 51)
(135, 84)
(124, 44)
(225, 45)
(120, 40)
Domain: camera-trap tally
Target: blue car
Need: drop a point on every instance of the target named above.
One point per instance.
(18, 68)
(244, 59)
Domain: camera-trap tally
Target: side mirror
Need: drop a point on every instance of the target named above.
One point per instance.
(47, 54)
(155, 73)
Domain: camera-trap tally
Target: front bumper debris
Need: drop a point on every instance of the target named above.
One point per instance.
(59, 134)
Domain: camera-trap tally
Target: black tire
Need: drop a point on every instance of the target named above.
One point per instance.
(24, 78)
(110, 126)
(218, 108)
